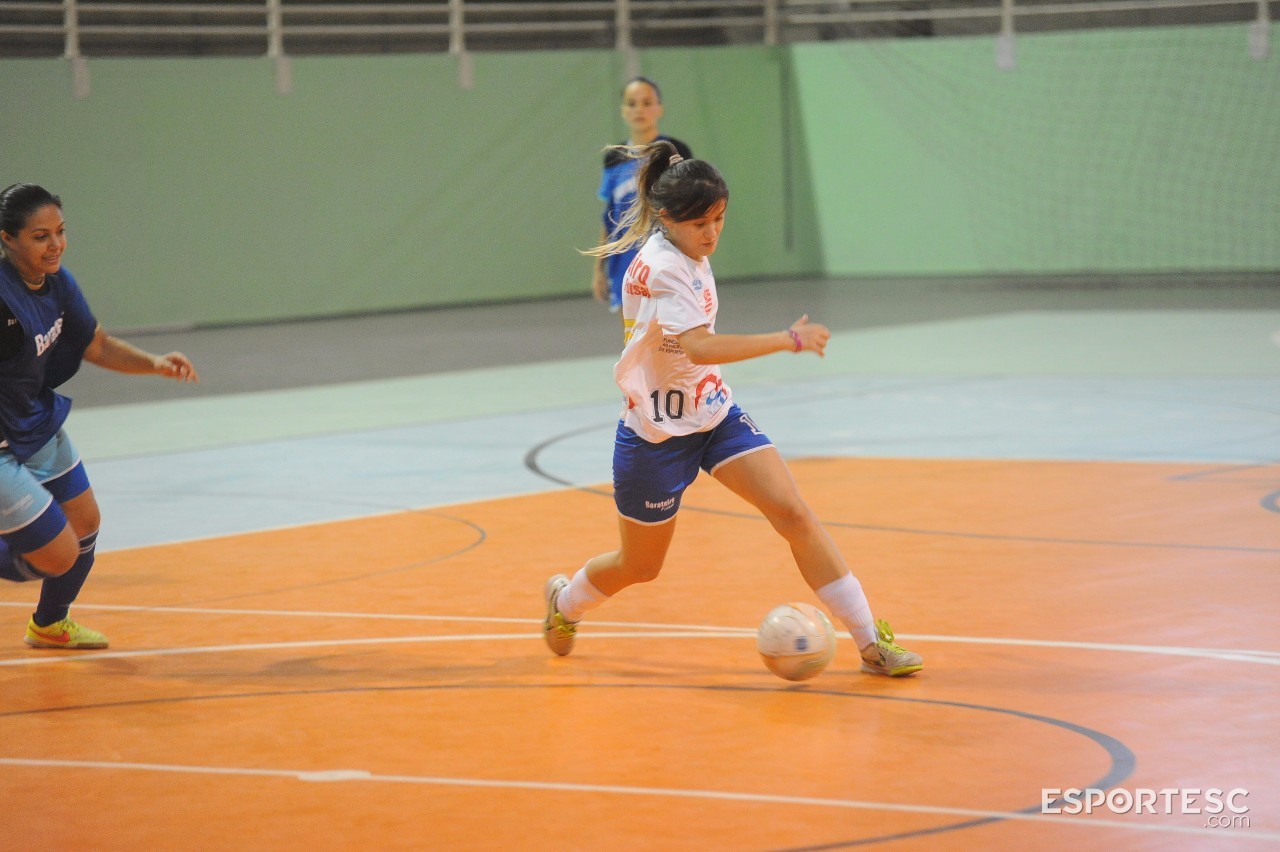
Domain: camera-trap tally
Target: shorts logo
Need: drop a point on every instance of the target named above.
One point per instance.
(746, 420)
(663, 506)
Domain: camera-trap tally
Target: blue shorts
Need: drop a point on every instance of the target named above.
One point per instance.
(649, 479)
(31, 491)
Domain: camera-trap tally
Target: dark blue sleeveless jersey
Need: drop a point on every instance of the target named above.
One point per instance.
(57, 327)
(618, 191)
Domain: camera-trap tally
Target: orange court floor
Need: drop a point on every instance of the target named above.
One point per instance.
(382, 682)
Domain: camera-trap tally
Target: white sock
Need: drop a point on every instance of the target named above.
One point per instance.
(847, 602)
(579, 597)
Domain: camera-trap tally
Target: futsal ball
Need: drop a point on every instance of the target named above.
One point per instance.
(796, 641)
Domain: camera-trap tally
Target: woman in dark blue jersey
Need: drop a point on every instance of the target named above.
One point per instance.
(641, 110)
(48, 515)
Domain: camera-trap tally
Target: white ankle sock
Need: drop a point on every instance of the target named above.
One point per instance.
(579, 597)
(847, 602)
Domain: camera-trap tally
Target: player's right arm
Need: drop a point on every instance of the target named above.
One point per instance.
(112, 353)
(599, 280)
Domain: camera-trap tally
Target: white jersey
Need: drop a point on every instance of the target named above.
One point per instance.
(664, 294)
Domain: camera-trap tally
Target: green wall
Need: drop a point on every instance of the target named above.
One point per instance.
(1112, 151)
(196, 194)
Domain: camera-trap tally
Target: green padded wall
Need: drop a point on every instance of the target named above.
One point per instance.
(195, 194)
(198, 195)
(1104, 151)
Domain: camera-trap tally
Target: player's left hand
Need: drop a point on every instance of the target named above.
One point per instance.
(813, 336)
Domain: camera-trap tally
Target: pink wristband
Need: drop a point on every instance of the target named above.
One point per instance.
(795, 338)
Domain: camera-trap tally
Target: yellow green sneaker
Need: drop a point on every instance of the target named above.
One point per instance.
(886, 658)
(557, 630)
(63, 634)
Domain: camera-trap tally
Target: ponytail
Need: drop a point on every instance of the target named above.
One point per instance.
(666, 182)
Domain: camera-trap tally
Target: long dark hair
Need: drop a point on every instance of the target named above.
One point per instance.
(681, 189)
(17, 204)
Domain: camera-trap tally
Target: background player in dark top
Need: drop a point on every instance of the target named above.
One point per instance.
(48, 515)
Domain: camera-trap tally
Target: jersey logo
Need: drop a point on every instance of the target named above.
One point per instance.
(715, 396)
(636, 281)
(44, 341)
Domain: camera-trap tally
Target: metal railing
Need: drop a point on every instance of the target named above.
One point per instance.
(278, 29)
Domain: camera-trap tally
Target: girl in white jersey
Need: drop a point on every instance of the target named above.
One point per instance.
(680, 417)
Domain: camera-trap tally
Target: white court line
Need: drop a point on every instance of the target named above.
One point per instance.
(360, 775)
(58, 656)
(1237, 655)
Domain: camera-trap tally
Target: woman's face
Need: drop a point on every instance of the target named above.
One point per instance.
(697, 238)
(641, 109)
(36, 250)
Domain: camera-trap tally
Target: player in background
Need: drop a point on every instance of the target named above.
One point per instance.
(642, 110)
(680, 415)
(48, 515)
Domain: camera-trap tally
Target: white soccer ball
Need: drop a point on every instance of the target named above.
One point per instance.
(796, 641)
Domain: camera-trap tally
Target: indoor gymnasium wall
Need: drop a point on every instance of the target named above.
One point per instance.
(1132, 150)
(198, 195)
(195, 194)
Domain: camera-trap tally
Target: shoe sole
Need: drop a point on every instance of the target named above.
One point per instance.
(899, 672)
(52, 646)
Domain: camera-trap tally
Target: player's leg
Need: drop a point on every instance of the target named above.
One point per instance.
(638, 559)
(57, 594)
(754, 470)
(55, 517)
(763, 480)
(41, 547)
(37, 541)
(648, 483)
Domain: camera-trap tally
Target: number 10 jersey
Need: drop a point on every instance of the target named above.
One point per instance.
(664, 294)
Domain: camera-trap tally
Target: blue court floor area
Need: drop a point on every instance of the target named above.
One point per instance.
(1060, 379)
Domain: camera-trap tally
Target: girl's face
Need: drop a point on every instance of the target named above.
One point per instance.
(641, 109)
(697, 238)
(36, 250)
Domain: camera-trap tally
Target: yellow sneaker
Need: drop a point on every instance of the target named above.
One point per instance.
(886, 658)
(558, 631)
(63, 634)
